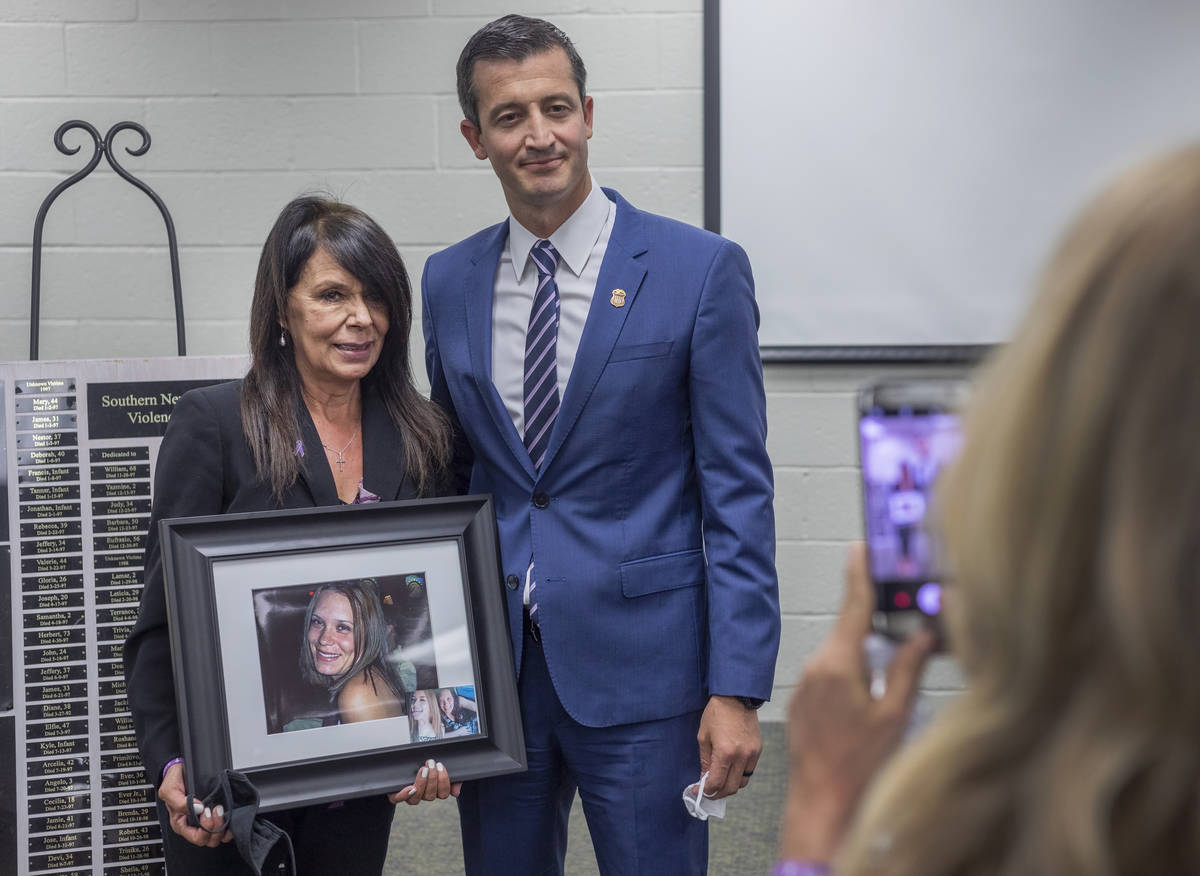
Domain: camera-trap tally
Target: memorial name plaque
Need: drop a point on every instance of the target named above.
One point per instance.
(54, 655)
(120, 471)
(117, 724)
(51, 529)
(78, 446)
(51, 674)
(38, 546)
(52, 600)
(51, 583)
(52, 729)
(112, 687)
(112, 706)
(56, 510)
(37, 404)
(117, 742)
(123, 506)
(62, 803)
(116, 489)
(128, 779)
(80, 858)
(59, 767)
(141, 868)
(117, 595)
(44, 440)
(59, 786)
(57, 692)
(132, 815)
(117, 633)
(46, 457)
(57, 841)
(128, 797)
(49, 565)
(49, 475)
(69, 821)
(119, 579)
(118, 524)
(130, 853)
(55, 637)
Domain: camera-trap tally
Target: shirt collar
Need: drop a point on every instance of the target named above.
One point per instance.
(574, 239)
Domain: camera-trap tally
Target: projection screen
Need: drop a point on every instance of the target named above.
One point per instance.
(899, 171)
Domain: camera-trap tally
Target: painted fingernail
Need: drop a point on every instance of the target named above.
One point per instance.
(198, 808)
(429, 763)
(424, 772)
(441, 769)
(219, 812)
(412, 791)
(207, 812)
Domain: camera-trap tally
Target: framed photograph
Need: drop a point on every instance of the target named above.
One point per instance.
(327, 653)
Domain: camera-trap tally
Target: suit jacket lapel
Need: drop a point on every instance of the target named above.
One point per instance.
(620, 270)
(479, 288)
(314, 472)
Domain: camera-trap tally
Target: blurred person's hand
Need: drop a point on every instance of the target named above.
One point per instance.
(838, 735)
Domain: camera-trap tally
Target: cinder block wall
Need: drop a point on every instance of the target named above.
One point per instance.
(251, 102)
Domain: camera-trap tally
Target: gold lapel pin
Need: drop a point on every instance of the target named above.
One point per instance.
(618, 298)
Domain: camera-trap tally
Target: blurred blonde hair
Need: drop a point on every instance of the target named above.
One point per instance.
(1072, 521)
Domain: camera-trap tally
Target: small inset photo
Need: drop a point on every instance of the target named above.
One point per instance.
(440, 713)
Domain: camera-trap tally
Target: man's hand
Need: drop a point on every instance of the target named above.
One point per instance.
(730, 743)
(432, 783)
(173, 794)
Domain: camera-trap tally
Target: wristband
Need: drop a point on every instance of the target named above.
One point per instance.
(170, 764)
(801, 868)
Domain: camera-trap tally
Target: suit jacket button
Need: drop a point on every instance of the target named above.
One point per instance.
(512, 581)
(541, 500)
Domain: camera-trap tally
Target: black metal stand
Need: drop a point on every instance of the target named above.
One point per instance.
(101, 146)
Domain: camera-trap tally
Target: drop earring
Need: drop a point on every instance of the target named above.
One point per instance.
(282, 338)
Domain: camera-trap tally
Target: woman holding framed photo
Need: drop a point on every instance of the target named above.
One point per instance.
(327, 414)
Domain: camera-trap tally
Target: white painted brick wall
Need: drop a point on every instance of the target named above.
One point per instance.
(250, 102)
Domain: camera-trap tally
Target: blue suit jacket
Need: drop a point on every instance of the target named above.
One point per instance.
(654, 556)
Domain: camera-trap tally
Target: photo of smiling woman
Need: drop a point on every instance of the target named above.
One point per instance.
(460, 715)
(324, 655)
(423, 716)
(344, 651)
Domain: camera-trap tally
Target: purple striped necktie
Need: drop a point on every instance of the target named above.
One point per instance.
(541, 355)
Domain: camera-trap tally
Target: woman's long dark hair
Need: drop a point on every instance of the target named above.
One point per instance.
(271, 389)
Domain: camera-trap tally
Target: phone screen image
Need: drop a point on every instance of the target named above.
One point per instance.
(903, 452)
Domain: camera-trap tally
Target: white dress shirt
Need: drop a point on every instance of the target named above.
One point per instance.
(581, 242)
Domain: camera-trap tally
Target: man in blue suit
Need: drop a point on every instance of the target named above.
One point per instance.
(602, 368)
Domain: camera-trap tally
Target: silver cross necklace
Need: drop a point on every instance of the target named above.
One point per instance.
(341, 454)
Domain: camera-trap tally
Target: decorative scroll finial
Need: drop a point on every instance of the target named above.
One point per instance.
(101, 147)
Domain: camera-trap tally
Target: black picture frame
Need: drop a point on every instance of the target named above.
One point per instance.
(210, 564)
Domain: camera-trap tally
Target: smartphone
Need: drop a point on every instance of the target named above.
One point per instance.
(908, 431)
